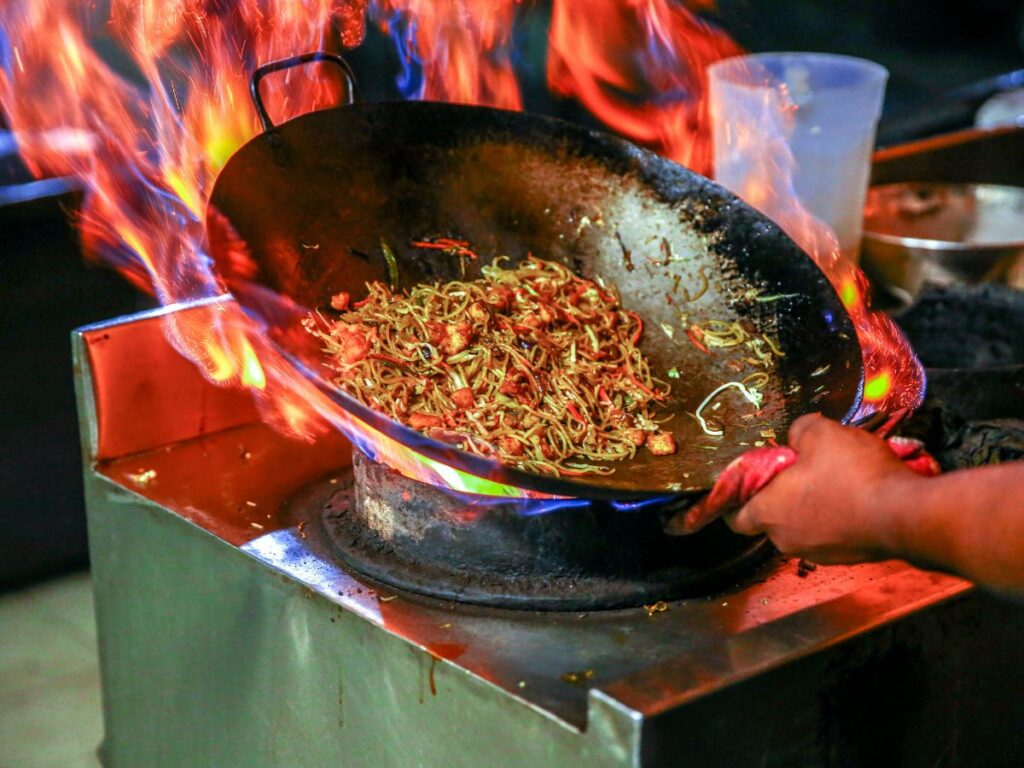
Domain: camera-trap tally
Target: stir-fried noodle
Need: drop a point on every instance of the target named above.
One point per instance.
(530, 363)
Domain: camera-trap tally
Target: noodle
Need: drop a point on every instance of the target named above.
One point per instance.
(530, 362)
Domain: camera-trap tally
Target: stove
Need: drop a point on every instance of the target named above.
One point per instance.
(242, 623)
(541, 554)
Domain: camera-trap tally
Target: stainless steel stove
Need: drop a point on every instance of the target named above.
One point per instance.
(231, 634)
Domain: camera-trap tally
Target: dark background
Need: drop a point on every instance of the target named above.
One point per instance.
(935, 51)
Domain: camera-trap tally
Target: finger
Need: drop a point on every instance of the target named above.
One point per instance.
(807, 431)
(687, 522)
(744, 521)
(705, 511)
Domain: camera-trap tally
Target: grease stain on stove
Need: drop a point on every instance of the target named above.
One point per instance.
(341, 701)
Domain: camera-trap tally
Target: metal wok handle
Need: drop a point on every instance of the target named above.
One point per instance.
(295, 61)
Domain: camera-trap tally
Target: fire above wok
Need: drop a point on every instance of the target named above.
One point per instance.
(298, 214)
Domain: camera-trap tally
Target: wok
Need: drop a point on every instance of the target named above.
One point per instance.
(299, 212)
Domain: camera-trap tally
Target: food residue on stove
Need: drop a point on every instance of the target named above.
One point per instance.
(805, 567)
(143, 477)
(577, 678)
(530, 362)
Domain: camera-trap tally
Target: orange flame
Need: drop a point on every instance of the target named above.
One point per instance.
(639, 66)
(894, 379)
(463, 47)
(147, 154)
(147, 157)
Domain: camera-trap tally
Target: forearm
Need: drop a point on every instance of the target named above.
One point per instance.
(970, 522)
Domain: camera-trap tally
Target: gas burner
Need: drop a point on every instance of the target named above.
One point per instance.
(544, 554)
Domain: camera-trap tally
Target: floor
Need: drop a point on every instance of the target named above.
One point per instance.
(49, 676)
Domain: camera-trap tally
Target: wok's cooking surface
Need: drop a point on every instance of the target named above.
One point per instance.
(302, 210)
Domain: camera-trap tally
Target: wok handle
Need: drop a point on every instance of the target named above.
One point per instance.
(295, 61)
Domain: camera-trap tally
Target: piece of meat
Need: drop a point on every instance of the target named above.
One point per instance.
(464, 398)
(457, 337)
(479, 314)
(542, 318)
(637, 436)
(436, 332)
(354, 342)
(511, 386)
(510, 446)
(424, 420)
(661, 443)
(340, 301)
(499, 297)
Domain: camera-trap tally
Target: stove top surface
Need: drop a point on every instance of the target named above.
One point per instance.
(648, 658)
(651, 657)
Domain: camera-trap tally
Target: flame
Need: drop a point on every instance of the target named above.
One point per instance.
(147, 146)
(894, 378)
(639, 66)
(454, 50)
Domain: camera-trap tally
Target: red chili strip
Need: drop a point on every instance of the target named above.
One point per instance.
(643, 387)
(695, 340)
(575, 413)
(571, 472)
(460, 247)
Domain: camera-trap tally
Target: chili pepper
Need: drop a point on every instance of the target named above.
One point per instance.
(459, 247)
(694, 334)
(574, 412)
(392, 263)
(640, 385)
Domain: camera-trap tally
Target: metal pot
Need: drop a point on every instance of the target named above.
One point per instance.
(938, 233)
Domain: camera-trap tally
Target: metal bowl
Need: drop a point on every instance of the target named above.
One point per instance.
(935, 233)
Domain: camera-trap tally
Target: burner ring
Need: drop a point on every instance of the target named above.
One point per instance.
(420, 539)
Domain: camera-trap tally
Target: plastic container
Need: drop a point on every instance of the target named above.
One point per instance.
(799, 122)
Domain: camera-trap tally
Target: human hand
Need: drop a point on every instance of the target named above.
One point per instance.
(833, 504)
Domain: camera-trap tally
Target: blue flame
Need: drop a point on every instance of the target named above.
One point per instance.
(636, 506)
(402, 30)
(534, 507)
(6, 55)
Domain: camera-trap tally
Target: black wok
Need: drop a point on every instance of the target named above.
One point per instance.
(299, 212)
